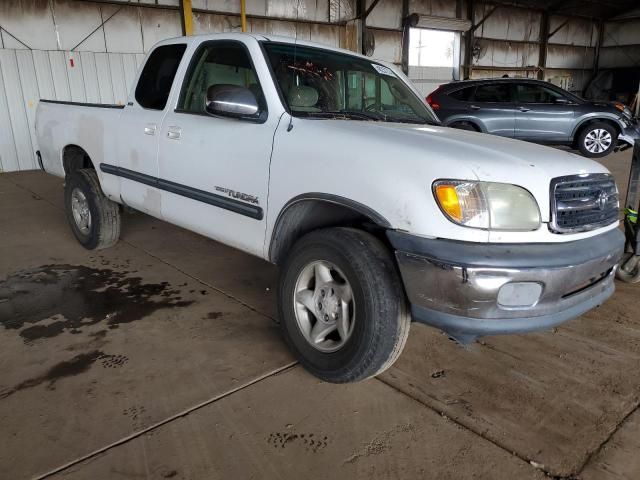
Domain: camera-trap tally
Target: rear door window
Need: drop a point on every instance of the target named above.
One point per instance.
(155, 81)
(492, 93)
(464, 94)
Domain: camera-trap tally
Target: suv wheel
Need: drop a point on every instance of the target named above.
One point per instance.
(342, 306)
(597, 140)
(94, 219)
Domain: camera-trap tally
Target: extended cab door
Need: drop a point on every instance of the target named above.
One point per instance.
(492, 104)
(214, 171)
(542, 114)
(139, 128)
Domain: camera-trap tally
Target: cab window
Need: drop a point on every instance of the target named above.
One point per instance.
(157, 76)
(218, 63)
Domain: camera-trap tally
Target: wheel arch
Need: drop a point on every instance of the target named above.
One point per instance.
(74, 157)
(307, 212)
(475, 122)
(587, 121)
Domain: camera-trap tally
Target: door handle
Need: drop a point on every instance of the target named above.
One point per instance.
(150, 129)
(524, 109)
(474, 107)
(173, 133)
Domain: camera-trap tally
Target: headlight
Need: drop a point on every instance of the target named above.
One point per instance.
(487, 205)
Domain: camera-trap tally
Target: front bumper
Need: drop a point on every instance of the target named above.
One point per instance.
(628, 137)
(469, 290)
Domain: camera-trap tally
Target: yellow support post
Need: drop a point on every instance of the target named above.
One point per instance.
(243, 15)
(187, 17)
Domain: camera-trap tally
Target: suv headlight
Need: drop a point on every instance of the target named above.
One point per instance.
(487, 205)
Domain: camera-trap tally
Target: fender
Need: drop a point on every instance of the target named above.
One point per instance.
(329, 199)
(590, 117)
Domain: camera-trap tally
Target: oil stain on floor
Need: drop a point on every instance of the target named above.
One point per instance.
(78, 364)
(52, 299)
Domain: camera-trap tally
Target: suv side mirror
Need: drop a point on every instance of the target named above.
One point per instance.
(231, 101)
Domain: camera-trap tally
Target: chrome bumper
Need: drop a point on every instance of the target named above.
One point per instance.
(469, 290)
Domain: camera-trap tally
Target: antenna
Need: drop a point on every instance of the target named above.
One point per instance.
(293, 70)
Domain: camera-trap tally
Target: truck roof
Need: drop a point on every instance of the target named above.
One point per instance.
(261, 37)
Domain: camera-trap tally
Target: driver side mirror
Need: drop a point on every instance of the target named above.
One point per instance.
(562, 101)
(231, 101)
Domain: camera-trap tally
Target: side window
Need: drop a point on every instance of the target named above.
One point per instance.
(493, 93)
(528, 93)
(214, 64)
(157, 76)
(464, 94)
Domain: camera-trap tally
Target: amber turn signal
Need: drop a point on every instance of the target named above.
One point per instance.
(448, 200)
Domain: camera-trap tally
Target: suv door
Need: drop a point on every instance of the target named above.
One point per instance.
(492, 105)
(543, 114)
(138, 128)
(214, 171)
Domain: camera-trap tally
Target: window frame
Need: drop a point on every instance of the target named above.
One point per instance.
(285, 103)
(264, 114)
(471, 95)
(175, 76)
(508, 85)
(543, 87)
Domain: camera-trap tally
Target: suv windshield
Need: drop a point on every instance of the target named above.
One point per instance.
(318, 83)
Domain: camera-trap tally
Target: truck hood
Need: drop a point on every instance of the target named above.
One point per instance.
(486, 157)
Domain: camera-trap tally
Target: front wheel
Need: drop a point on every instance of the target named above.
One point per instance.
(597, 140)
(94, 219)
(629, 268)
(342, 306)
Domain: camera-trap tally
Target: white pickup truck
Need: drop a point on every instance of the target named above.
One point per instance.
(330, 165)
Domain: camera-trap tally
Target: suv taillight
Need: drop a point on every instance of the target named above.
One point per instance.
(435, 105)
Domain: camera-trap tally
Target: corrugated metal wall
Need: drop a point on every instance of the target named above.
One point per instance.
(28, 75)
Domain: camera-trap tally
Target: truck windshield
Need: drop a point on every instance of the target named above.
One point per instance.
(318, 83)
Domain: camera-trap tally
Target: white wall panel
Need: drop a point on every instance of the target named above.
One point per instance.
(8, 153)
(386, 14)
(75, 76)
(30, 94)
(43, 74)
(90, 76)
(622, 33)
(16, 108)
(75, 21)
(104, 78)
(59, 73)
(29, 75)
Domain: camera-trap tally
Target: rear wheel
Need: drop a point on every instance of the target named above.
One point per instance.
(94, 219)
(342, 306)
(597, 140)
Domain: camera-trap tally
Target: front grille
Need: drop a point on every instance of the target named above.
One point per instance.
(583, 202)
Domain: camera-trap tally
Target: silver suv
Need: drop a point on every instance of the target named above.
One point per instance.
(536, 111)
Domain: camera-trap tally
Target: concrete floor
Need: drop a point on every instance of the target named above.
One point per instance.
(160, 358)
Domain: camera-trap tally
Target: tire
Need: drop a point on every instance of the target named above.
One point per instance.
(464, 126)
(379, 319)
(629, 268)
(102, 229)
(597, 140)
